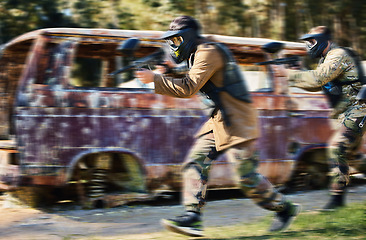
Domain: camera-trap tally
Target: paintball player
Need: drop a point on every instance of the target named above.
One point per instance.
(231, 128)
(339, 75)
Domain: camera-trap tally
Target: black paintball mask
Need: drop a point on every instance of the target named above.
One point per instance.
(316, 43)
(182, 38)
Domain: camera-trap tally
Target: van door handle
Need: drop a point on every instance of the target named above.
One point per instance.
(295, 114)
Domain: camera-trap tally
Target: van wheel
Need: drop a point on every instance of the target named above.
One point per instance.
(311, 178)
(311, 172)
(79, 185)
(102, 174)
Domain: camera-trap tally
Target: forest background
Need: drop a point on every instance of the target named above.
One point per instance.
(275, 19)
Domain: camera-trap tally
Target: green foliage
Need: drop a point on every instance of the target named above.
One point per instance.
(88, 12)
(276, 19)
(232, 13)
(19, 16)
(152, 3)
(187, 7)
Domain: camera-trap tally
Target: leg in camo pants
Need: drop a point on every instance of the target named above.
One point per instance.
(242, 157)
(342, 147)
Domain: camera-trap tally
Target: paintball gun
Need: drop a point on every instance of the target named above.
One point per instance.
(274, 47)
(128, 48)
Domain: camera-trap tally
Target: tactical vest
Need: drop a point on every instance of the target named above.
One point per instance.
(234, 83)
(333, 89)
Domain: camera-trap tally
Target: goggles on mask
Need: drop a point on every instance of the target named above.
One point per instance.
(316, 43)
(175, 42)
(181, 43)
(310, 43)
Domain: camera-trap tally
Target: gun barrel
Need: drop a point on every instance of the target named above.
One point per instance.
(265, 63)
(156, 56)
(121, 70)
(278, 61)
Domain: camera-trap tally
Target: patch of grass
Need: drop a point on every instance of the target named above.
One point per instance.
(346, 223)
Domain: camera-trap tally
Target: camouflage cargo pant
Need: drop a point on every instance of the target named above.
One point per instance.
(342, 146)
(242, 157)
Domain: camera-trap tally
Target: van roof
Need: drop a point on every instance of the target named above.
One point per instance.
(148, 34)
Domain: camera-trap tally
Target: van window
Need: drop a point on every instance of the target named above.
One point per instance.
(83, 64)
(86, 72)
(93, 63)
(256, 78)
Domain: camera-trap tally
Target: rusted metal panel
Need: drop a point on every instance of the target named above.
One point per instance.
(9, 174)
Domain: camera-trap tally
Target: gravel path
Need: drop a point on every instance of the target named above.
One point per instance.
(18, 222)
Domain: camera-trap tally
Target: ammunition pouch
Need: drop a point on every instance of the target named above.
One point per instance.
(333, 92)
(234, 83)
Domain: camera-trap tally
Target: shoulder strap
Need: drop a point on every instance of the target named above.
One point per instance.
(234, 82)
(223, 49)
(356, 58)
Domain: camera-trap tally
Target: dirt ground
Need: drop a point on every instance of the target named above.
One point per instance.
(19, 222)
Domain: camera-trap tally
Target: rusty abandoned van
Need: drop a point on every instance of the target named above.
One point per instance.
(68, 128)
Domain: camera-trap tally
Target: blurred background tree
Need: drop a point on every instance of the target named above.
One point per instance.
(275, 19)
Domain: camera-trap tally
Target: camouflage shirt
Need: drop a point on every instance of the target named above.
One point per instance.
(336, 65)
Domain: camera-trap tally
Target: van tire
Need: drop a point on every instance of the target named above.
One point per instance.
(311, 172)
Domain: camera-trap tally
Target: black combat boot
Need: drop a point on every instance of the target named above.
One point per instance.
(335, 202)
(283, 219)
(189, 224)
